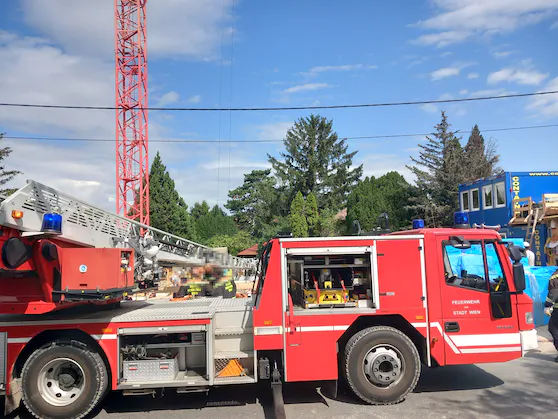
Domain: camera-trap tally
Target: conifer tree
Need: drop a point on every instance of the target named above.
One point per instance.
(6, 175)
(480, 157)
(317, 161)
(297, 217)
(439, 170)
(311, 213)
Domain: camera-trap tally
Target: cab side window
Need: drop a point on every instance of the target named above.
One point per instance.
(496, 278)
(465, 267)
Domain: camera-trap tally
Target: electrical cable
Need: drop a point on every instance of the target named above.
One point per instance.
(363, 137)
(288, 108)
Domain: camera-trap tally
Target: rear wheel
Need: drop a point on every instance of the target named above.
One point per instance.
(63, 381)
(382, 365)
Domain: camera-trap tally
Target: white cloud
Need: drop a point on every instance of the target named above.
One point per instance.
(34, 71)
(187, 28)
(442, 73)
(346, 67)
(273, 130)
(457, 20)
(490, 92)
(514, 75)
(472, 75)
(306, 87)
(168, 98)
(429, 107)
(195, 99)
(446, 54)
(463, 92)
(379, 164)
(546, 105)
(445, 72)
(502, 54)
(554, 25)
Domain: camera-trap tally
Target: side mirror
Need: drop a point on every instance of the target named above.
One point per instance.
(459, 243)
(515, 253)
(519, 276)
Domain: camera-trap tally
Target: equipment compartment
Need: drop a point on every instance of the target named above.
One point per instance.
(177, 358)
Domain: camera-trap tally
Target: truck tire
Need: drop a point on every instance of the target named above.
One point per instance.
(381, 365)
(63, 381)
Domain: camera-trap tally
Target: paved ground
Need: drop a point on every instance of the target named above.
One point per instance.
(525, 388)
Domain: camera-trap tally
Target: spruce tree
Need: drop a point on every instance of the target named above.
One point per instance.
(297, 217)
(480, 157)
(317, 161)
(311, 212)
(214, 223)
(6, 175)
(199, 210)
(439, 170)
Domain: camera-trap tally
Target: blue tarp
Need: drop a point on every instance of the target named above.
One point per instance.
(537, 277)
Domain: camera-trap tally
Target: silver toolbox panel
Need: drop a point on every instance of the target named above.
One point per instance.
(3, 356)
(150, 370)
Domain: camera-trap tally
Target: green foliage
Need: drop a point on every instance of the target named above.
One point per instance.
(254, 203)
(214, 223)
(311, 213)
(234, 243)
(297, 217)
(316, 161)
(168, 211)
(329, 225)
(199, 210)
(480, 157)
(6, 175)
(389, 193)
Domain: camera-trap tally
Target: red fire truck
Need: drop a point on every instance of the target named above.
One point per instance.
(370, 311)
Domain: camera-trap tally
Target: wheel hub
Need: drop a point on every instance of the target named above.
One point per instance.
(60, 382)
(382, 366)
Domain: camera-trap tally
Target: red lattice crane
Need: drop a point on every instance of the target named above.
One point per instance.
(132, 160)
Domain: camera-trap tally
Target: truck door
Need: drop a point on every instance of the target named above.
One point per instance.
(479, 320)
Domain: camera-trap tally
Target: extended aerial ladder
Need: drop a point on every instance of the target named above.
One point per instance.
(83, 226)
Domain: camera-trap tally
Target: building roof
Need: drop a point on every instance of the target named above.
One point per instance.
(250, 252)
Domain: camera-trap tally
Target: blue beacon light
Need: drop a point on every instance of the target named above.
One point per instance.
(461, 219)
(52, 223)
(418, 223)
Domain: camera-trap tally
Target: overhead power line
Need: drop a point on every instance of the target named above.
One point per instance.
(363, 137)
(288, 108)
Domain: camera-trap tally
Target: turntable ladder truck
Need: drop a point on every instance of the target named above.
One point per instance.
(364, 311)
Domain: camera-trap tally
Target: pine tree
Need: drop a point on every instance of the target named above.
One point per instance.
(439, 169)
(311, 213)
(480, 157)
(167, 209)
(214, 223)
(317, 161)
(297, 217)
(199, 210)
(254, 203)
(6, 175)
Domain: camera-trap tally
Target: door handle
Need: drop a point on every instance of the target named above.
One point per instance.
(451, 327)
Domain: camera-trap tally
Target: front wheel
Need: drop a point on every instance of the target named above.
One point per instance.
(382, 365)
(63, 381)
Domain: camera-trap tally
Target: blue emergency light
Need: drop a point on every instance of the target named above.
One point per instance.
(418, 223)
(52, 223)
(461, 219)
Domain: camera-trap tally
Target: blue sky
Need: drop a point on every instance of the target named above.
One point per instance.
(284, 53)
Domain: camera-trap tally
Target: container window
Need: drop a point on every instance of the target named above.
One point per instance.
(465, 201)
(488, 201)
(475, 198)
(500, 194)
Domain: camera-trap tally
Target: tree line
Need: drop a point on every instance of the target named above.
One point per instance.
(314, 189)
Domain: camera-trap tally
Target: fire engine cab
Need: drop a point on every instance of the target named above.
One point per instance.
(369, 311)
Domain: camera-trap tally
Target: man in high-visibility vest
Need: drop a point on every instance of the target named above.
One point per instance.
(551, 308)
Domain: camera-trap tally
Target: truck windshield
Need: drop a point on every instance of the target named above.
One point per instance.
(260, 275)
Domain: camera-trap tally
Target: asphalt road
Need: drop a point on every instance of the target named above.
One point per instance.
(518, 389)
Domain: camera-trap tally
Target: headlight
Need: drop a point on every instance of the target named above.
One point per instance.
(529, 317)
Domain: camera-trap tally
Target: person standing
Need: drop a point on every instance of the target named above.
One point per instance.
(551, 308)
(529, 253)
